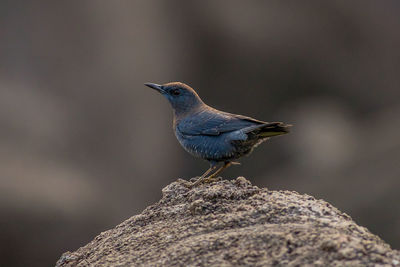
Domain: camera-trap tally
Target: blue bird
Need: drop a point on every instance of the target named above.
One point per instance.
(214, 135)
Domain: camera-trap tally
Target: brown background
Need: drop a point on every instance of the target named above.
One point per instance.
(84, 145)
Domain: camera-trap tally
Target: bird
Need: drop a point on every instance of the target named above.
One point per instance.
(211, 134)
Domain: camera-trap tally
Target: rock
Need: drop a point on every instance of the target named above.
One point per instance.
(232, 223)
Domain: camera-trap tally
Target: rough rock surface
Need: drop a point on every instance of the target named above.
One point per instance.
(232, 223)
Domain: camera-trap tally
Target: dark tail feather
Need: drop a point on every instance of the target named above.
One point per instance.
(273, 129)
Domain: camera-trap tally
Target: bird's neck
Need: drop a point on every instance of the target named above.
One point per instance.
(184, 111)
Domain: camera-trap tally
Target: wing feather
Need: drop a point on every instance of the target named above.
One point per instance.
(213, 123)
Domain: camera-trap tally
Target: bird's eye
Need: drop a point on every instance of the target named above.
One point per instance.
(175, 92)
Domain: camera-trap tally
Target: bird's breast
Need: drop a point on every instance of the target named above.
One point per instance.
(216, 148)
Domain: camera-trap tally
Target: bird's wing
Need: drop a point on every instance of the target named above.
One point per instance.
(215, 123)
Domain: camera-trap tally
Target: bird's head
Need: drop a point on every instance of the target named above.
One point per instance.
(182, 97)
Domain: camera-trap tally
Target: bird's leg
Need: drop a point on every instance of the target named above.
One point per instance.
(213, 165)
(212, 176)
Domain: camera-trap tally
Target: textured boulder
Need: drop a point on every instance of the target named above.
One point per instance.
(232, 223)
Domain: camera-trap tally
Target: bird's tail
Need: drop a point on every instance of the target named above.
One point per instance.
(273, 129)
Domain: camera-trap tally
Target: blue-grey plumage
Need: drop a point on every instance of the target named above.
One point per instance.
(211, 134)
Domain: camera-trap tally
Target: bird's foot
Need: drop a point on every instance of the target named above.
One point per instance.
(204, 180)
(210, 179)
(200, 180)
(235, 163)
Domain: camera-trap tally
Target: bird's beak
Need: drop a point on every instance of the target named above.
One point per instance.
(155, 87)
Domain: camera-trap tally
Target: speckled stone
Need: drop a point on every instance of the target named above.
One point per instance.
(232, 223)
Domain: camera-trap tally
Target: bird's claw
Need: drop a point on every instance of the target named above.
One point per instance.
(206, 180)
(210, 179)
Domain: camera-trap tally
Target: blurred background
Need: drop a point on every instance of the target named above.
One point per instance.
(84, 145)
